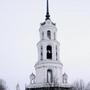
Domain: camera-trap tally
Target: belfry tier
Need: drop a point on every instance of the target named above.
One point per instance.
(48, 46)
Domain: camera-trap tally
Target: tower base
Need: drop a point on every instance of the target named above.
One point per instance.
(50, 88)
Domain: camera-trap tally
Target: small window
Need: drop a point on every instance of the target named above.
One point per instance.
(41, 56)
(49, 34)
(41, 53)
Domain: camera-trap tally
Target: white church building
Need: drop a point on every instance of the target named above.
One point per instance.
(49, 75)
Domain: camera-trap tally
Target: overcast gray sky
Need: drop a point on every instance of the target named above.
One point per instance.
(19, 33)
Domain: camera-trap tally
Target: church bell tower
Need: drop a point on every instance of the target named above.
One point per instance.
(48, 66)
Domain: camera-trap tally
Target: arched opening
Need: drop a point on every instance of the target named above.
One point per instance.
(49, 52)
(49, 34)
(49, 76)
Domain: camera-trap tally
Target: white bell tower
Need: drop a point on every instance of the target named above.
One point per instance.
(48, 67)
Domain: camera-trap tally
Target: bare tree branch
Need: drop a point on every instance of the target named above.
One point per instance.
(2, 85)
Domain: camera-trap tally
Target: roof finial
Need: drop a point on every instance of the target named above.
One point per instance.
(47, 13)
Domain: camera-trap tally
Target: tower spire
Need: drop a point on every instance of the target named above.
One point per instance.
(47, 12)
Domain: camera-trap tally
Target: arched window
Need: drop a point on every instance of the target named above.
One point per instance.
(49, 34)
(41, 52)
(49, 52)
(49, 76)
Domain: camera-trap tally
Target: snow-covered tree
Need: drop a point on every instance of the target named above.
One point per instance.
(87, 86)
(79, 85)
